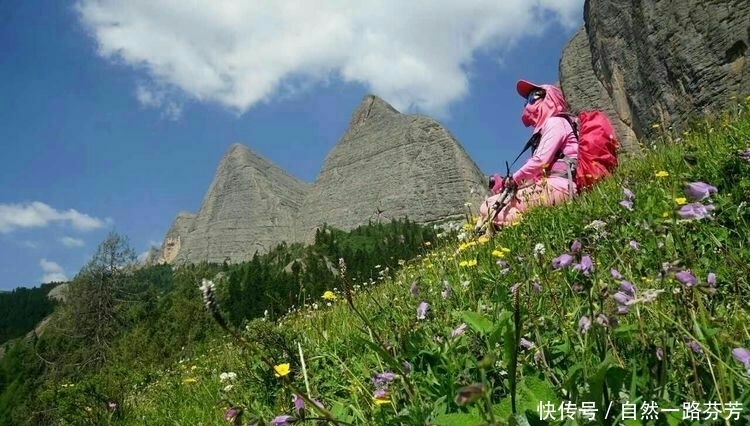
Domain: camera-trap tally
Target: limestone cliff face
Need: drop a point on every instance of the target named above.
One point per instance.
(389, 165)
(250, 206)
(658, 61)
(173, 240)
(584, 91)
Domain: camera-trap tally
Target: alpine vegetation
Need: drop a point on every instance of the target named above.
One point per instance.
(625, 305)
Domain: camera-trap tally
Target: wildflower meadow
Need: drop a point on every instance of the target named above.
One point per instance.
(628, 305)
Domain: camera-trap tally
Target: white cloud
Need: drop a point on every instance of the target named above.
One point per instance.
(38, 214)
(52, 271)
(29, 244)
(72, 242)
(415, 54)
(158, 98)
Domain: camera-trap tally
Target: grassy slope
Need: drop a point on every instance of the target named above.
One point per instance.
(644, 355)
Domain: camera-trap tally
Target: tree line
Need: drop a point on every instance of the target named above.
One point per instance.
(120, 320)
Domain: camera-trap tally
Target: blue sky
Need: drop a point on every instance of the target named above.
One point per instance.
(116, 114)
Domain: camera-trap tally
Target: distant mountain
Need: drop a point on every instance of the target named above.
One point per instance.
(387, 165)
(250, 206)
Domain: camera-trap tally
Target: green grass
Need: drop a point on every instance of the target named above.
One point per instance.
(671, 348)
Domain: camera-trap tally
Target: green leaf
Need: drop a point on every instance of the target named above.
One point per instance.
(596, 382)
(625, 330)
(531, 391)
(518, 420)
(502, 321)
(477, 321)
(673, 418)
(341, 412)
(458, 419)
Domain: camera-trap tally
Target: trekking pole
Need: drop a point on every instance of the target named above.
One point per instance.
(509, 191)
(506, 195)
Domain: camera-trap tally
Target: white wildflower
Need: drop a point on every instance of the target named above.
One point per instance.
(596, 224)
(650, 295)
(227, 376)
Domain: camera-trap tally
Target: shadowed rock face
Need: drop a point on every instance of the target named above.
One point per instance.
(173, 240)
(658, 61)
(391, 165)
(584, 91)
(250, 206)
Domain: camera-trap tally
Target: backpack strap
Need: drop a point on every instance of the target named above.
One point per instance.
(533, 143)
(573, 123)
(571, 163)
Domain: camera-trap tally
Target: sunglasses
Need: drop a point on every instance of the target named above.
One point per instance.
(534, 96)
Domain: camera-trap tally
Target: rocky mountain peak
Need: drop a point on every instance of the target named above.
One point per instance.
(390, 165)
(250, 206)
(371, 107)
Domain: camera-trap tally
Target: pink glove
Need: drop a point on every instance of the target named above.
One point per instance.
(498, 186)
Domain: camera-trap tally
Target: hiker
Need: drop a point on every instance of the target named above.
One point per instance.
(547, 177)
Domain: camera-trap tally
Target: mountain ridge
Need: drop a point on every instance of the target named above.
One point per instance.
(261, 205)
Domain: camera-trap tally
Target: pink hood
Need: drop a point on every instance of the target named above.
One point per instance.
(535, 115)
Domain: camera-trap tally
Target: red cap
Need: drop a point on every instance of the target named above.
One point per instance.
(524, 87)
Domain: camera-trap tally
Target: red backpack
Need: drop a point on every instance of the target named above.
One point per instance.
(597, 147)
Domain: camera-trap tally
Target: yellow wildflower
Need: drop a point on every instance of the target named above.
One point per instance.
(193, 368)
(505, 249)
(472, 262)
(189, 380)
(381, 399)
(665, 214)
(498, 253)
(468, 226)
(680, 200)
(483, 240)
(281, 369)
(662, 173)
(463, 263)
(655, 126)
(329, 295)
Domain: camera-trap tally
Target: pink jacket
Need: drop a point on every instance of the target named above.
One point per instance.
(556, 133)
